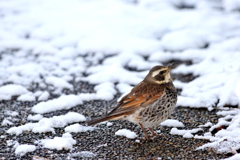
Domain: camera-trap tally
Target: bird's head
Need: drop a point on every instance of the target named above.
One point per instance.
(159, 75)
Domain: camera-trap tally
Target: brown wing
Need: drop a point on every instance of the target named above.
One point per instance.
(140, 96)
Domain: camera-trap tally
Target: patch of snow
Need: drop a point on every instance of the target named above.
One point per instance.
(127, 133)
(63, 102)
(48, 124)
(109, 124)
(229, 112)
(208, 124)
(225, 140)
(137, 141)
(18, 130)
(12, 143)
(6, 122)
(183, 132)
(58, 82)
(234, 157)
(172, 123)
(5, 97)
(124, 88)
(105, 91)
(56, 53)
(36, 117)
(188, 135)
(11, 113)
(14, 113)
(38, 158)
(98, 73)
(24, 148)
(65, 142)
(84, 154)
(26, 97)
(7, 91)
(237, 92)
(184, 39)
(78, 128)
(37, 93)
(44, 96)
(231, 5)
(205, 91)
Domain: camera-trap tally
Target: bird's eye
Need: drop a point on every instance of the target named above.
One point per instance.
(162, 72)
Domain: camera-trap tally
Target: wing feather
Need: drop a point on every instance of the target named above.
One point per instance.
(140, 96)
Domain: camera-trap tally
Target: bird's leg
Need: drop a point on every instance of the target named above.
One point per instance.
(153, 133)
(144, 131)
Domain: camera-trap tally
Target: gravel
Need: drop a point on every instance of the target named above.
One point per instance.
(102, 143)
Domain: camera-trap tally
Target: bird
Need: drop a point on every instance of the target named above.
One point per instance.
(148, 104)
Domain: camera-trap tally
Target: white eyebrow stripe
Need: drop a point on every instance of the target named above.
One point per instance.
(154, 73)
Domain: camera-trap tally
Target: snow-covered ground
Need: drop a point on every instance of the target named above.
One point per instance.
(51, 43)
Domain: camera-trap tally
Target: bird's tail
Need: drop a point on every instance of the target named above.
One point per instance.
(102, 119)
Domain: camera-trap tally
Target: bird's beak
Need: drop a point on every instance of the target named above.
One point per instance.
(171, 65)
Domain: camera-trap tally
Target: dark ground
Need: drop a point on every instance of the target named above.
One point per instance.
(103, 142)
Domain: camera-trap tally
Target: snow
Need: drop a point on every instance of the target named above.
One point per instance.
(109, 124)
(6, 122)
(78, 128)
(7, 91)
(26, 97)
(65, 142)
(98, 41)
(63, 102)
(184, 133)
(13, 143)
(188, 135)
(84, 154)
(237, 92)
(172, 123)
(98, 73)
(12, 113)
(124, 88)
(48, 124)
(208, 124)
(183, 39)
(24, 148)
(58, 82)
(105, 91)
(36, 117)
(231, 5)
(44, 96)
(235, 157)
(225, 140)
(127, 34)
(137, 141)
(127, 133)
